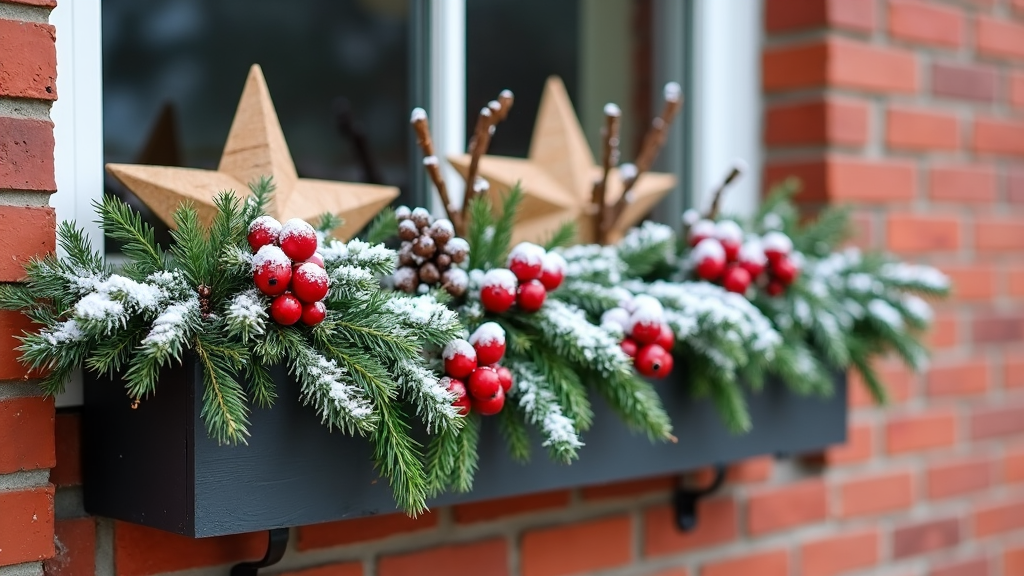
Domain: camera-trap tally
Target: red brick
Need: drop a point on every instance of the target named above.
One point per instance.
(775, 509)
(838, 554)
(751, 470)
(998, 518)
(26, 532)
(925, 537)
(998, 328)
(629, 489)
(1015, 186)
(1013, 372)
(968, 81)
(944, 332)
(24, 232)
(473, 559)
(962, 183)
(915, 233)
(672, 572)
(910, 433)
(951, 479)
(584, 547)
(858, 446)
(995, 136)
(1017, 89)
(971, 567)
(997, 421)
(68, 441)
(1013, 465)
(75, 543)
(959, 378)
(899, 382)
(774, 563)
(26, 154)
(717, 524)
(876, 494)
(918, 129)
(838, 178)
(1013, 561)
(26, 434)
(999, 38)
(972, 282)
(28, 65)
(44, 3)
(142, 551)
(833, 120)
(926, 23)
(344, 569)
(1015, 282)
(788, 15)
(12, 324)
(998, 234)
(494, 509)
(840, 63)
(361, 530)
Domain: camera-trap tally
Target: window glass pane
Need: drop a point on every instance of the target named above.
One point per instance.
(188, 59)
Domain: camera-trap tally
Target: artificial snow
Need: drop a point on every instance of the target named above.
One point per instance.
(480, 185)
(554, 263)
(247, 311)
(703, 228)
(628, 171)
(488, 333)
(169, 328)
(527, 253)
(443, 224)
(616, 316)
(456, 278)
(612, 109)
(431, 160)
(296, 227)
(541, 407)
(270, 255)
(501, 277)
(728, 231)
(432, 399)
(886, 313)
(267, 224)
(63, 332)
(690, 217)
(752, 252)
(775, 241)
(673, 91)
(708, 248)
(458, 347)
(417, 115)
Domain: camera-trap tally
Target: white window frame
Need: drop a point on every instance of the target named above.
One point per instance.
(724, 107)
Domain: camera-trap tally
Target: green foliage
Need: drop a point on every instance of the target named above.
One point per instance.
(563, 236)
(382, 227)
(490, 238)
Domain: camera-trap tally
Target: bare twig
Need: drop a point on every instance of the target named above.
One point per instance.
(490, 116)
(736, 172)
(609, 157)
(431, 164)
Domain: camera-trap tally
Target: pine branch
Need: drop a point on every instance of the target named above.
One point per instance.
(120, 222)
(563, 236)
(481, 233)
(452, 458)
(224, 405)
(383, 227)
(510, 422)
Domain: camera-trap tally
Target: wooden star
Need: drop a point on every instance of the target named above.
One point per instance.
(255, 148)
(557, 178)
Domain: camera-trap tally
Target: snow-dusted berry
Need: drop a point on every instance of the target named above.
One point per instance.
(317, 259)
(455, 281)
(263, 231)
(442, 231)
(776, 245)
(403, 212)
(616, 316)
(458, 249)
(498, 290)
(730, 235)
(774, 288)
(701, 230)
(526, 261)
(459, 358)
(421, 217)
(490, 406)
(629, 346)
(752, 258)
(667, 339)
(313, 313)
(458, 389)
(552, 271)
(298, 239)
(736, 279)
(310, 282)
(489, 343)
(709, 259)
(785, 270)
(271, 270)
(484, 383)
(286, 309)
(505, 377)
(407, 230)
(653, 361)
(531, 295)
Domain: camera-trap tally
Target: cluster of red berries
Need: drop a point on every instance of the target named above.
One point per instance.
(287, 267)
(532, 272)
(473, 375)
(648, 338)
(721, 255)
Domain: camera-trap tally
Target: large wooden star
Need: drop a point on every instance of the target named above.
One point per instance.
(558, 177)
(255, 148)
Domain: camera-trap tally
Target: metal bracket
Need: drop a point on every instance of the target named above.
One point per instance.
(277, 543)
(686, 500)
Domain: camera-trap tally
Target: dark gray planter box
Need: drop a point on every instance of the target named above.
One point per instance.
(156, 466)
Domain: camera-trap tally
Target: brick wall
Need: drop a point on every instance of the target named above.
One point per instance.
(27, 87)
(914, 112)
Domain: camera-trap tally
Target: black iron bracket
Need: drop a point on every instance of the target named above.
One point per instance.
(277, 543)
(686, 500)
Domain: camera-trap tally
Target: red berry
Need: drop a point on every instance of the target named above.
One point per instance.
(490, 406)
(776, 246)
(286, 309)
(785, 271)
(730, 235)
(651, 361)
(310, 282)
(531, 296)
(752, 258)
(489, 343)
(317, 259)
(526, 261)
(263, 231)
(272, 271)
(498, 292)
(459, 358)
(298, 239)
(667, 339)
(775, 288)
(484, 383)
(553, 272)
(710, 269)
(709, 256)
(701, 230)
(645, 331)
(505, 377)
(457, 389)
(736, 279)
(313, 313)
(629, 347)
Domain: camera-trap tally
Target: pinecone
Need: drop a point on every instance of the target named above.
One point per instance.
(429, 252)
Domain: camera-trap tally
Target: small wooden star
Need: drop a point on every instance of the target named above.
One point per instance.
(558, 177)
(255, 148)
